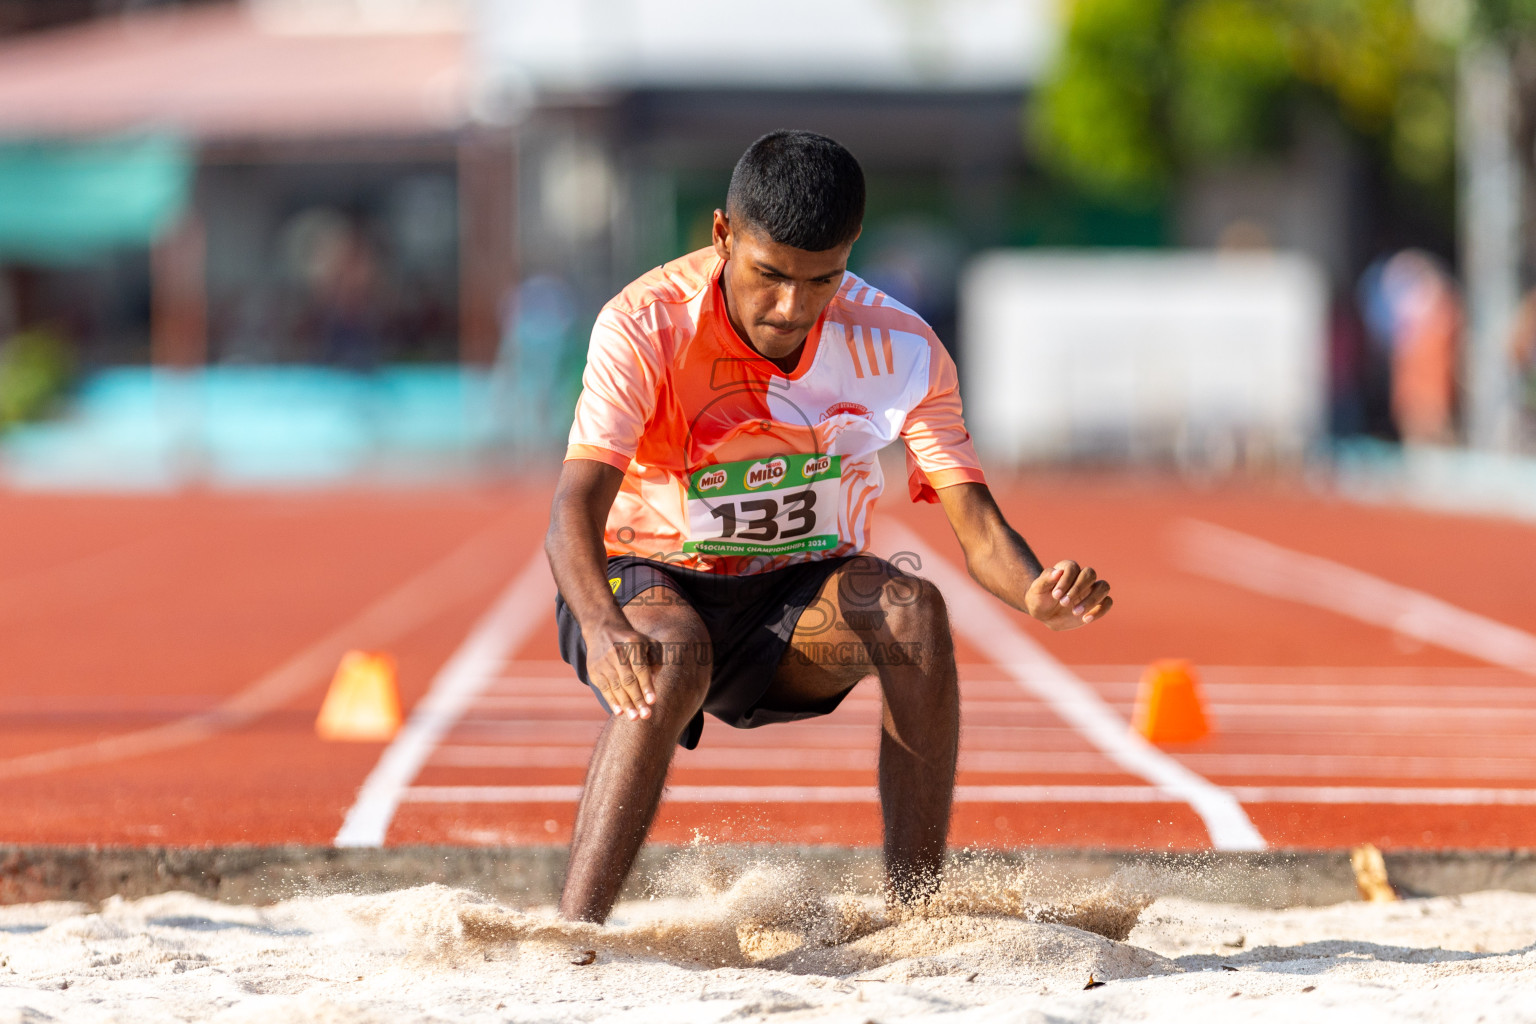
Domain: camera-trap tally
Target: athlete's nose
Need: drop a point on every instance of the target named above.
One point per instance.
(787, 309)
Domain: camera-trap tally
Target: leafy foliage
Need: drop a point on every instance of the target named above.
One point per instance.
(1502, 17)
(35, 367)
(1144, 89)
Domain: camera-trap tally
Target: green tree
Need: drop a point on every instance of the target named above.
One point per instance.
(1145, 89)
(1500, 18)
(35, 368)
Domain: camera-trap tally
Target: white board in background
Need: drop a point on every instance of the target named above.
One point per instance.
(1143, 355)
(795, 44)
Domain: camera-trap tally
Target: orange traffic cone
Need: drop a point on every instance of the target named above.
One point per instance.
(1168, 706)
(362, 703)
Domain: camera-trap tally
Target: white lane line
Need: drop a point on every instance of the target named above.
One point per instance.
(567, 731)
(1451, 694)
(1364, 714)
(518, 671)
(1384, 673)
(983, 707)
(1031, 762)
(491, 795)
(569, 702)
(982, 620)
(521, 683)
(1237, 558)
(1318, 675)
(723, 758)
(493, 708)
(1365, 766)
(712, 758)
(522, 607)
(1384, 795)
(990, 795)
(793, 794)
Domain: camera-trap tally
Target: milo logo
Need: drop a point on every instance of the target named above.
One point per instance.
(765, 474)
(713, 480)
(817, 465)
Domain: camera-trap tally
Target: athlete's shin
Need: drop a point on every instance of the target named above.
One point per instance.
(919, 741)
(623, 789)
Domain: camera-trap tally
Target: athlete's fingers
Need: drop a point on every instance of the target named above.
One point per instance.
(1080, 589)
(1067, 575)
(1099, 610)
(612, 686)
(612, 669)
(1099, 591)
(635, 696)
(613, 695)
(645, 674)
(1046, 580)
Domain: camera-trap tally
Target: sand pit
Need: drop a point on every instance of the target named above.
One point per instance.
(724, 941)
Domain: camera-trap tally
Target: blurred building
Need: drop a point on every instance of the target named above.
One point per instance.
(18, 16)
(351, 182)
(269, 181)
(356, 183)
(630, 116)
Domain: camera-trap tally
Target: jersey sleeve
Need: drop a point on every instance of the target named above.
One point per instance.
(939, 449)
(618, 392)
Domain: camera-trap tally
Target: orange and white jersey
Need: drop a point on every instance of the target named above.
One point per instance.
(733, 466)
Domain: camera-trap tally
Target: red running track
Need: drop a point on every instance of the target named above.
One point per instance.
(165, 657)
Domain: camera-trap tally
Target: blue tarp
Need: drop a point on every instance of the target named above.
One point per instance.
(65, 202)
(137, 428)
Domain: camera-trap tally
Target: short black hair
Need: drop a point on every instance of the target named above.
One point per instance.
(801, 189)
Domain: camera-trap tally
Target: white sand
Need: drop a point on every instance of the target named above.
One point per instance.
(738, 943)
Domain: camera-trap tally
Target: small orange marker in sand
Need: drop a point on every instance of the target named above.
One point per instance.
(363, 703)
(1168, 705)
(1371, 874)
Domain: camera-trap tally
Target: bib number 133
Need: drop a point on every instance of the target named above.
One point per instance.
(776, 505)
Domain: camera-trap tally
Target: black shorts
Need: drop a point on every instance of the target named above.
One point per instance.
(750, 620)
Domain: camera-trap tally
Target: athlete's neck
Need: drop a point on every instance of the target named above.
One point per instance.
(785, 363)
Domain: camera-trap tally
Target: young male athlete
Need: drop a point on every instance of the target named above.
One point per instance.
(709, 533)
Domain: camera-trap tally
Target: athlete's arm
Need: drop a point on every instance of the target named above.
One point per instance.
(618, 656)
(1064, 596)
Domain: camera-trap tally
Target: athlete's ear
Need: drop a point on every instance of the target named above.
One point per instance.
(721, 235)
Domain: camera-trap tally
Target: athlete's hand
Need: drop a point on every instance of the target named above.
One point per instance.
(1067, 596)
(621, 663)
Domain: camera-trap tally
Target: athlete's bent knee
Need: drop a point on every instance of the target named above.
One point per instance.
(681, 660)
(915, 610)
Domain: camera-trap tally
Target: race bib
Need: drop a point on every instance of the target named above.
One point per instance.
(772, 506)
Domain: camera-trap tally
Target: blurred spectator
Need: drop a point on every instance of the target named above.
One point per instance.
(1348, 373)
(334, 258)
(538, 318)
(916, 261)
(1413, 313)
(1522, 354)
(347, 296)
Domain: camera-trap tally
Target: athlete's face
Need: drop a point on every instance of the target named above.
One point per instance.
(775, 293)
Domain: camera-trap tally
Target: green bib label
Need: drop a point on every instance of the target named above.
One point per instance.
(776, 505)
